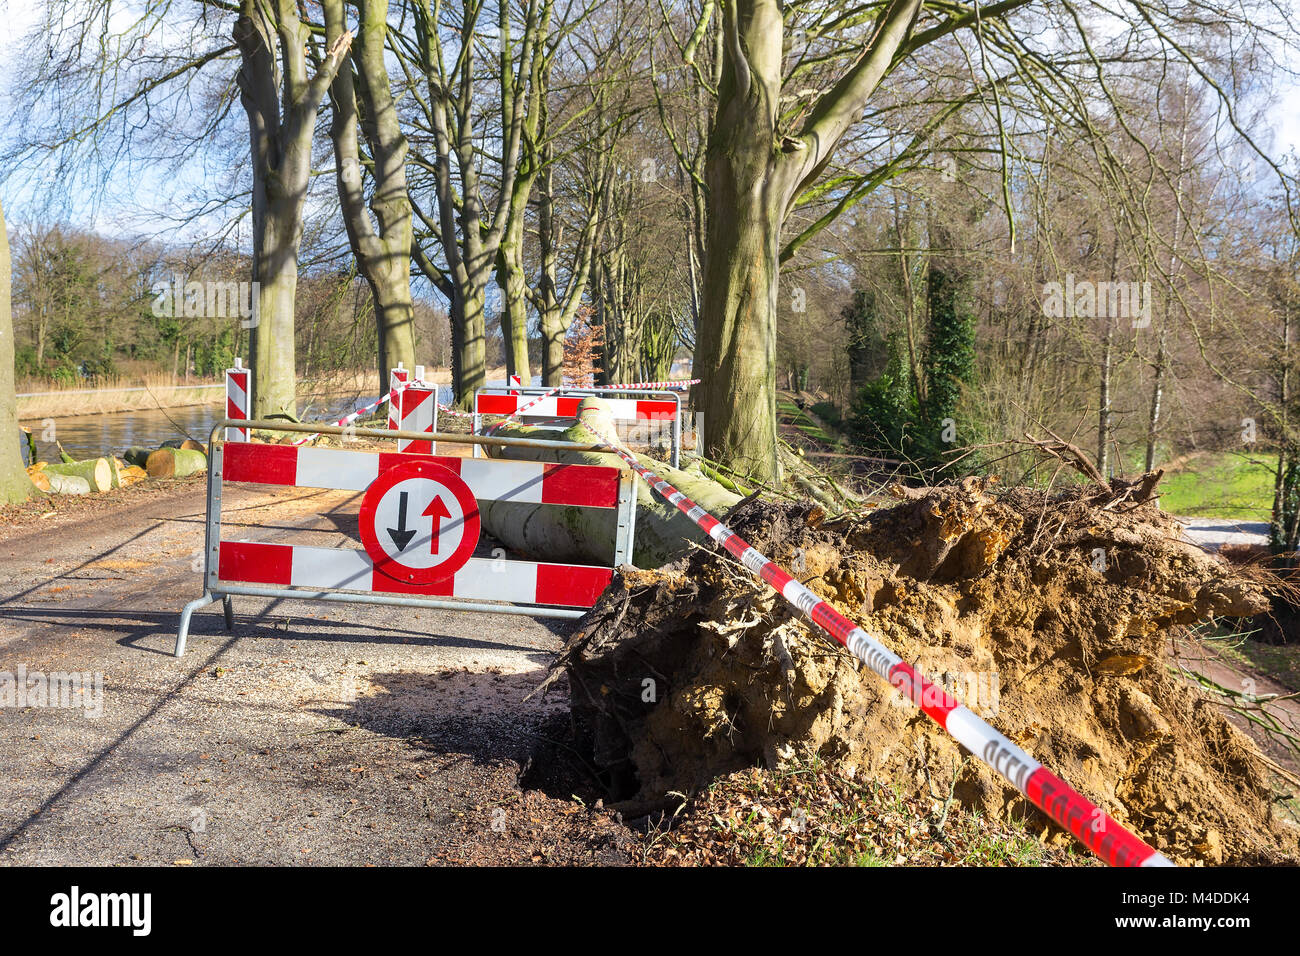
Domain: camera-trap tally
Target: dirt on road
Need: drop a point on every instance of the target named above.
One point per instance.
(312, 733)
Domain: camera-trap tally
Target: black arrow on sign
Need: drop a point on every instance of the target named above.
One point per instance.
(401, 535)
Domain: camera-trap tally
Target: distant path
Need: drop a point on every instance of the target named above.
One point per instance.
(1214, 533)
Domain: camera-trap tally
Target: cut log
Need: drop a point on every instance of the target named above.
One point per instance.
(96, 471)
(175, 463)
(39, 479)
(562, 533)
(67, 484)
(191, 445)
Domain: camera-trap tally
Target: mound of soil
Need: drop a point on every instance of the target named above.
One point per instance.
(1047, 617)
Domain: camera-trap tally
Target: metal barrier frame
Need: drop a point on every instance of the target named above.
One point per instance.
(214, 589)
(567, 391)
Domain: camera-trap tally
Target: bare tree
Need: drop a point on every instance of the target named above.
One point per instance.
(468, 227)
(361, 96)
(281, 100)
(15, 486)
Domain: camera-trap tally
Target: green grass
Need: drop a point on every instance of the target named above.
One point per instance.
(789, 412)
(1222, 485)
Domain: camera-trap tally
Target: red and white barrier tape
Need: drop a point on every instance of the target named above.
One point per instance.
(521, 409)
(353, 416)
(647, 386)
(1101, 834)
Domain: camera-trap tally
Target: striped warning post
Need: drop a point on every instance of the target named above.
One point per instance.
(417, 411)
(347, 569)
(237, 391)
(1110, 841)
(397, 378)
(490, 479)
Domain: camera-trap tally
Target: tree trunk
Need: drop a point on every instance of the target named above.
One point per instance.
(736, 348)
(382, 249)
(175, 463)
(553, 332)
(754, 171)
(15, 486)
(468, 352)
(271, 338)
(272, 44)
(514, 302)
(1157, 400)
(1104, 406)
(561, 533)
(97, 472)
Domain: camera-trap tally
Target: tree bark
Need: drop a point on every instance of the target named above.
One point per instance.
(754, 174)
(281, 141)
(381, 248)
(15, 486)
(1104, 401)
(468, 345)
(514, 297)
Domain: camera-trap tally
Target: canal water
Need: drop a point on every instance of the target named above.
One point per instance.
(91, 436)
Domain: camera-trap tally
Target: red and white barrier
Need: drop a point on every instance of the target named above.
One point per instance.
(417, 411)
(566, 406)
(237, 392)
(347, 569)
(1102, 835)
(490, 479)
(420, 527)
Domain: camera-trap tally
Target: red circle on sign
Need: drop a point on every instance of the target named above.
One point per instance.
(419, 506)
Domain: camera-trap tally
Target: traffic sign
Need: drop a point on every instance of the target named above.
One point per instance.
(419, 522)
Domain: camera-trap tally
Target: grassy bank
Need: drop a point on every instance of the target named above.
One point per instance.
(1219, 485)
(68, 402)
(40, 399)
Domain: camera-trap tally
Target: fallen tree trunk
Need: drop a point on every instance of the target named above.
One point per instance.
(136, 455)
(175, 463)
(66, 484)
(96, 471)
(561, 533)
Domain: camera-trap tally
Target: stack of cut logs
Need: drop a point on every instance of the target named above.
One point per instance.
(73, 477)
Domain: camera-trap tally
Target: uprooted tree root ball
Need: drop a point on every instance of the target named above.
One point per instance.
(1049, 617)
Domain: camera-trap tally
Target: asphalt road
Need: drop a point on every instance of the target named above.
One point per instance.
(314, 733)
(1214, 533)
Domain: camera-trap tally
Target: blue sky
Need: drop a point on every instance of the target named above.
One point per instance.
(148, 203)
